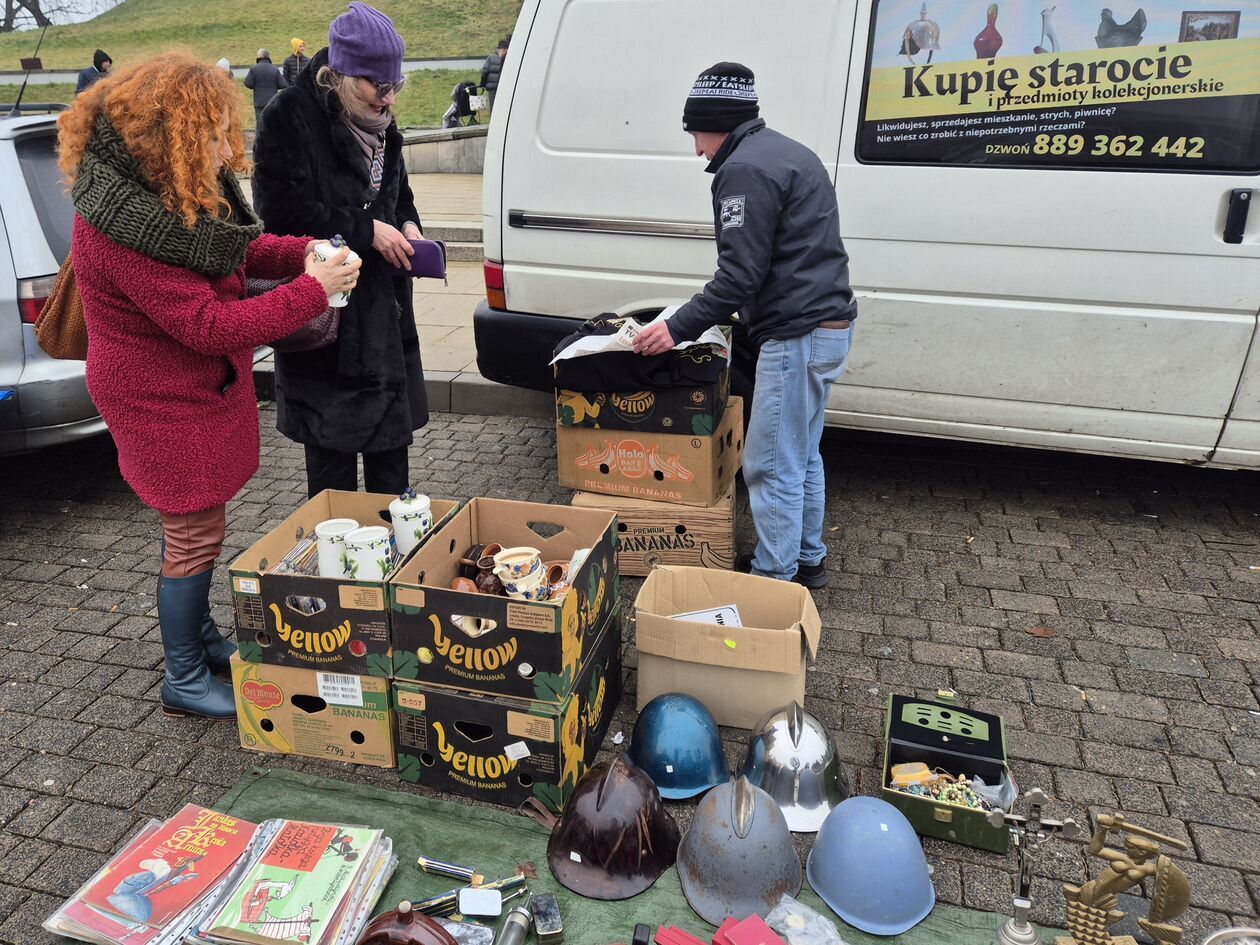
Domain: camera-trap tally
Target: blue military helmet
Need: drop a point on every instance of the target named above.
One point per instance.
(676, 742)
(868, 866)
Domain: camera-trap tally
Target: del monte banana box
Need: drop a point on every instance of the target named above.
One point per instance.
(331, 624)
(494, 644)
(335, 716)
(506, 750)
(658, 467)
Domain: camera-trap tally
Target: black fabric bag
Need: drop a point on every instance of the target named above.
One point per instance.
(627, 371)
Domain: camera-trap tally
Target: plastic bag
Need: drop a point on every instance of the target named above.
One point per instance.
(798, 924)
(1002, 794)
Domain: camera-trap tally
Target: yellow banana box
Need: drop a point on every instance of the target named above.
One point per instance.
(506, 750)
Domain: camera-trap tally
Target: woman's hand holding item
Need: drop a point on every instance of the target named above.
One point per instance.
(335, 275)
(391, 244)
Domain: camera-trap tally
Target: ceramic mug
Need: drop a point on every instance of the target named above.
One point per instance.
(512, 564)
(532, 588)
(368, 556)
(527, 583)
(325, 251)
(463, 584)
(487, 582)
(413, 519)
(330, 536)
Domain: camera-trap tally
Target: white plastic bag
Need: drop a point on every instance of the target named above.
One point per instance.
(798, 924)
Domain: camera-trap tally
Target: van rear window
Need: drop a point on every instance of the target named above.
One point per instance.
(1157, 84)
(37, 154)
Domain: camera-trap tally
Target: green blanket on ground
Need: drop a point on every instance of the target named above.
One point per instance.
(494, 841)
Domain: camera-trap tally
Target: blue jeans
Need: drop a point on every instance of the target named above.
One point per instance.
(782, 467)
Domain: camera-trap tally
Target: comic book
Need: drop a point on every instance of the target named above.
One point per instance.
(300, 889)
(154, 881)
(76, 919)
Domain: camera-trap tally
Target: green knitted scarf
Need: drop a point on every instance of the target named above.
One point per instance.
(111, 193)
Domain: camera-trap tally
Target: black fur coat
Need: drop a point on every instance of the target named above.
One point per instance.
(365, 393)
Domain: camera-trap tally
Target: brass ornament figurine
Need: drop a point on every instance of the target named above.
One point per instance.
(1091, 907)
(1029, 833)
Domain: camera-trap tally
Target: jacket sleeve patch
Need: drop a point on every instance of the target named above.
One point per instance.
(732, 211)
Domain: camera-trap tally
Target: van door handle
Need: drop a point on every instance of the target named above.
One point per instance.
(1236, 215)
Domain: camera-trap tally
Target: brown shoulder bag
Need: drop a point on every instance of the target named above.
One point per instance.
(60, 328)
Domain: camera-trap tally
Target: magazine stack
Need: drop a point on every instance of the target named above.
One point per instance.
(208, 877)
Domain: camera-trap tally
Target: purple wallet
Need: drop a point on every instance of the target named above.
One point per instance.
(429, 260)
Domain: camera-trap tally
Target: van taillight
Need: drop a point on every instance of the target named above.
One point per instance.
(495, 294)
(32, 294)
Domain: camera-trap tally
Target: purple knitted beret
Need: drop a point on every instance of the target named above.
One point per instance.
(363, 42)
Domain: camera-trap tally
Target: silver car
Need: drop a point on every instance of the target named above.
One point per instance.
(43, 401)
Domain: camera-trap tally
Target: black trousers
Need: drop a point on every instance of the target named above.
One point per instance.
(329, 469)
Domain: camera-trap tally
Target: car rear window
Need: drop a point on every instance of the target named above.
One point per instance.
(37, 153)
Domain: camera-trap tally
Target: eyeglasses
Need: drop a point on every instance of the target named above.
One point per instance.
(384, 88)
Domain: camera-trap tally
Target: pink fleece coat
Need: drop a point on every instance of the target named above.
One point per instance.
(170, 362)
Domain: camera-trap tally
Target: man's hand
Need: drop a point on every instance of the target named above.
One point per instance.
(655, 339)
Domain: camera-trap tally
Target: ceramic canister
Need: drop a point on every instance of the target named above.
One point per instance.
(413, 518)
(330, 536)
(368, 556)
(325, 251)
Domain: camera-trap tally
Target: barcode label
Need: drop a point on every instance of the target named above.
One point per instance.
(340, 690)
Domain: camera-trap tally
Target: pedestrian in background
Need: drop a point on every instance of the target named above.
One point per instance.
(491, 69)
(296, 62)
(782, 266)
(328, 162)
(225, 65)
(101, 64)
(266, 80)
(163, 240)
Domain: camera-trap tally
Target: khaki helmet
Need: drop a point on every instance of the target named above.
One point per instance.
(738, 858)
(792, 758)
(614, 838)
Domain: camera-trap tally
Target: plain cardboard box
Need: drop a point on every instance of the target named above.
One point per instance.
(332, 624)
(740, 673)
(661, 467)
(531, 650)
(695, 409)
(506, 750)
(650, 534)
(335, 716)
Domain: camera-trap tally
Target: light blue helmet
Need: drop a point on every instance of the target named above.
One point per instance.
(868, 866)
(676, 742)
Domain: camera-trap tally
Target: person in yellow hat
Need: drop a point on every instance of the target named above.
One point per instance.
(297, 62)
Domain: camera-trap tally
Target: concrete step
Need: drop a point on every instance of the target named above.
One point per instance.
(464, 252)
(452, 232)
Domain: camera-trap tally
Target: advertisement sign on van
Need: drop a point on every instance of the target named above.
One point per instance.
(1148, 86)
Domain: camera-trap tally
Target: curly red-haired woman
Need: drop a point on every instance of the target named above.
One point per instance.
(163, 239)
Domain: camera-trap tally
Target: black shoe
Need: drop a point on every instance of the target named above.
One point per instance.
(743, 564)
(813, 576)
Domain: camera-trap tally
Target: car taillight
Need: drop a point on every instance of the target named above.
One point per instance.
(495, 293)
(32, 294)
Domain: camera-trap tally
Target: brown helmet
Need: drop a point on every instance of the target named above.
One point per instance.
(614, 838)
(405, 927)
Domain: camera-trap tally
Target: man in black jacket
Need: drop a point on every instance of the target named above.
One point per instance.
(296, 62)
(266, 80)
(491, 69)
(783, 267)
(101, 64)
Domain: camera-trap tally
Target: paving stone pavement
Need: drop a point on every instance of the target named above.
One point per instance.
(943, 557)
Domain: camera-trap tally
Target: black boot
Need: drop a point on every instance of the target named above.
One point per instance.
(189, 688)
(219, 649)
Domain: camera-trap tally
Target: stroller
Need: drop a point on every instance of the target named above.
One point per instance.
(465, 103)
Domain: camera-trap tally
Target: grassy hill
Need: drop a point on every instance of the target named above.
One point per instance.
(424, 99)
(237, 28)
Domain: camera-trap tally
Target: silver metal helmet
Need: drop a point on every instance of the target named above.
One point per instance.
(737, 858)
(792, 758)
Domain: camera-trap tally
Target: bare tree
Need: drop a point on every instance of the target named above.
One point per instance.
(23, 14)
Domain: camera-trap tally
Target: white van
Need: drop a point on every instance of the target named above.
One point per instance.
(1045, 204)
